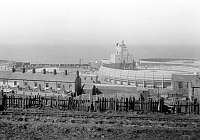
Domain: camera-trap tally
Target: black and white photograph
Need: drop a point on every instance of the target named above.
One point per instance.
(99, 70)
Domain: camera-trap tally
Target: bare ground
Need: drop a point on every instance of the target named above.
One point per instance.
(62, 125)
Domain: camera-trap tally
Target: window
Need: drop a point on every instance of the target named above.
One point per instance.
(25, 83)
(35, 84)
(58, 85)
(180, 84)
(84, 78)
(47, 85)
(15, 83)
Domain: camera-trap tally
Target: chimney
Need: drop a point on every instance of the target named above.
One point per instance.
(23, 70)
(65, 72)
(33, 70)
(54, 72)
(44, 71)
(13, 69)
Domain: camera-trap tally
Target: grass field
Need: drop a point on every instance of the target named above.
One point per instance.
(52, 124)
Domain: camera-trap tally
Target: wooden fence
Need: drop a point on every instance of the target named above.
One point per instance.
(100, 105)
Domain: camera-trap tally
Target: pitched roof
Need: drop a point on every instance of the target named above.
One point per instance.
(29, 76)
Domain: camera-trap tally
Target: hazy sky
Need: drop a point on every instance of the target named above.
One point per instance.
(62, 31)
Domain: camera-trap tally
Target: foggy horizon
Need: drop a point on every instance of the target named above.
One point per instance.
(51, 31)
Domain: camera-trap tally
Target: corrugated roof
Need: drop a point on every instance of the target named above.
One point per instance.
(60, 77)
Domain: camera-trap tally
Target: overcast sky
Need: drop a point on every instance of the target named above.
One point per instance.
(62, 31)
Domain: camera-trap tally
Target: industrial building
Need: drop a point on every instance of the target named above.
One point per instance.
(140, 78)
(121, 69)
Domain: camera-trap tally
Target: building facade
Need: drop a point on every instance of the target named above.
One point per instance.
(38, 81)
(121, 54)
(187, 85)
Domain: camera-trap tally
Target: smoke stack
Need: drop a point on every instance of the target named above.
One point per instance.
(33, 70)
(44, 71)
(13, 69)
(23, 70)
(54, 72)
(65, 72)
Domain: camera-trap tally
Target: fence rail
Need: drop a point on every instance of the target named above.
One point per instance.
(99, 105)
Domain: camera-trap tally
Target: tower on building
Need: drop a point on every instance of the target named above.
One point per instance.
(121, 55)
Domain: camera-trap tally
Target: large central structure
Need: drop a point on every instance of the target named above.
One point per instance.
(121, 55)
(121, 58)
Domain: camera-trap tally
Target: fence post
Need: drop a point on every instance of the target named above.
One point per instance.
(23, 102)
(30, 102)
(105, 99)
(58, 102)
(195, 106)
(110, 104)
(21, 106)
(141, 104)
(51, 103)
(117, 104)
(11, 100)
(127, 105)
(106, 104)
(161, 104)
(114, 103)
(27, 103)
(39, 101)
(102, 103)
(97, 105)
(178, 110)
(8, 101)
(186, 107)
(68, 103)
(120, 103)
(133, 104)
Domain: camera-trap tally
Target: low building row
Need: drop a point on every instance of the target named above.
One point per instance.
(55, 82)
